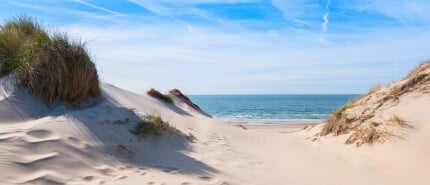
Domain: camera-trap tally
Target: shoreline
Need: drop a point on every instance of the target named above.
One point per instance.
(278, 126)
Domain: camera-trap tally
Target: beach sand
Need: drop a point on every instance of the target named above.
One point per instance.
(54, 145)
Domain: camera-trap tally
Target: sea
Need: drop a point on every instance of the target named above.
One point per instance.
(271, 109)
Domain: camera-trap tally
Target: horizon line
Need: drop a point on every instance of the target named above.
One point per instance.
(274, 94)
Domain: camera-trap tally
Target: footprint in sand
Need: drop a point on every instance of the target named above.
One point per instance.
(40, 134)
(128, 167)
(74, 140)
(88, 178)
(122, 177)
(106, 171)
(206, 178)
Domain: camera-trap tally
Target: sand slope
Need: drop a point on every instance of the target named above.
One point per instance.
(53, 145)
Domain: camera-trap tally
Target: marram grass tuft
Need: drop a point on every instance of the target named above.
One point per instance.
(52, 67)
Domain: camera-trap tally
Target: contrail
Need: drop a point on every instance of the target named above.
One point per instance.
(325, 18)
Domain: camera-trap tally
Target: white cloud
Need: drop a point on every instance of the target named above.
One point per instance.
(405, 11)
(207, 60)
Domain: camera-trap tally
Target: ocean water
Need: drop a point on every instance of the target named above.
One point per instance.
(271, 109)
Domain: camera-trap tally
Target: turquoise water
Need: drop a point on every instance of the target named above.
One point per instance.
(268, 109)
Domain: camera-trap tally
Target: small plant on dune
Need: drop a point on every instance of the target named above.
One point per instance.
(191, 137)
(156, 94)
(125, 121)
(420, 68)
(375, 124)
(365, 136)
(151, 125)
(51, 67)
(123, 150)
(398, 120)
(375, 88)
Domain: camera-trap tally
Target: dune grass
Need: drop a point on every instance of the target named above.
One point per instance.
(339, 123)
(398, 120)
(52, 67)
(151, 125)
(156, 94)
(20, 39)
(365, 136)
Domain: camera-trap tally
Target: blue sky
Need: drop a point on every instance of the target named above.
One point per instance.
(243, 46)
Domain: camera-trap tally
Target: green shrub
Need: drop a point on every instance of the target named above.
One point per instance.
(151, 125)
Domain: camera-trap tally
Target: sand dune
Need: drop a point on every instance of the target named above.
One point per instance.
(42, 144)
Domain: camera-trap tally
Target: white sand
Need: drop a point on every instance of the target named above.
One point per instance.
(52, 145)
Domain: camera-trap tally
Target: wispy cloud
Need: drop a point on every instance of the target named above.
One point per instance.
(97, 7)
(325, 17)
(325, 20)
(405, 11)
(56, 10)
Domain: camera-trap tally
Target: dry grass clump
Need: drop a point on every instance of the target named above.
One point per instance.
(375, 124)
(368, 135)
(338, 123)
(61, 70)
(124, 150)
(156, 94)
(398, 120)
(179, 94)
(52, 68)
(187, 100)
(375, 89)
(413, 83)
(191, 137)
(416, 80)
(419, 69)
(151, 125)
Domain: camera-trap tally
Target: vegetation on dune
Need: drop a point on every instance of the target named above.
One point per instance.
(156, 94)
(20, 39)
(187, 100)
(362, 117)
(151, 125)
(339, 122)
(52, 67)
(398, 120)
(366, 135)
